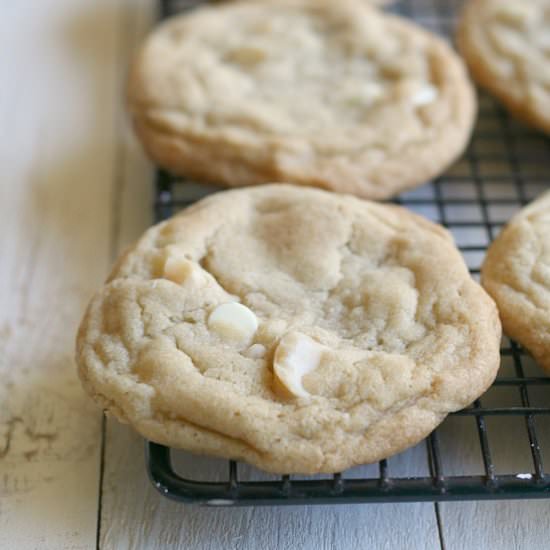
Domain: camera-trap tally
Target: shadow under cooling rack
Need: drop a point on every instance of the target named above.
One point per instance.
(495, 448)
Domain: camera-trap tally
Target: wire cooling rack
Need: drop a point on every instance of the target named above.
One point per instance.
(493, 449)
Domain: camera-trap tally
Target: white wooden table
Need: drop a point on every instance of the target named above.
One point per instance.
(75, 189)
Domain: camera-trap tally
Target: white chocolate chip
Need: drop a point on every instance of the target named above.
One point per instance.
(177, 269)
(255, 351)
(233, 321)
(295, 356)
(416, 92)
(366, 95)
(372, 91)
(425, 95)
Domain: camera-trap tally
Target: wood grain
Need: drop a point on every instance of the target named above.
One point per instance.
(498, 525)
(136, 516)
(57, 110)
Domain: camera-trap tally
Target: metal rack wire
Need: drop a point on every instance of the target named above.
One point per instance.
(505, 166)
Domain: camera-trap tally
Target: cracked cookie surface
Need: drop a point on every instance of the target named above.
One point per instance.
(516, 273)
(330, 94)
(360, 329)
(506, 44)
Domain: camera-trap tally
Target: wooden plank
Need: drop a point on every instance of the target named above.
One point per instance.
(134, 173)
(498, 525)
(503, 525)
(135, 516)
(57, 111)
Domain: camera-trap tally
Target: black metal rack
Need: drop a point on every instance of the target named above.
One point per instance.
(505, 166)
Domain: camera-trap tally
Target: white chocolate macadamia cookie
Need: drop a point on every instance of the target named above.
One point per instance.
(506, 44)
(516, 273)
(325, 93)
(295, 329)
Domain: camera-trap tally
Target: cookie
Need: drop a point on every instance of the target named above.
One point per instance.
(516, 273)
(298, 330)
(330, 94)
(506, 44)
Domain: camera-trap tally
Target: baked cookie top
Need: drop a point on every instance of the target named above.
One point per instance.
(331, 94)
(295, 329)
(516, 273)
(507, 46)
